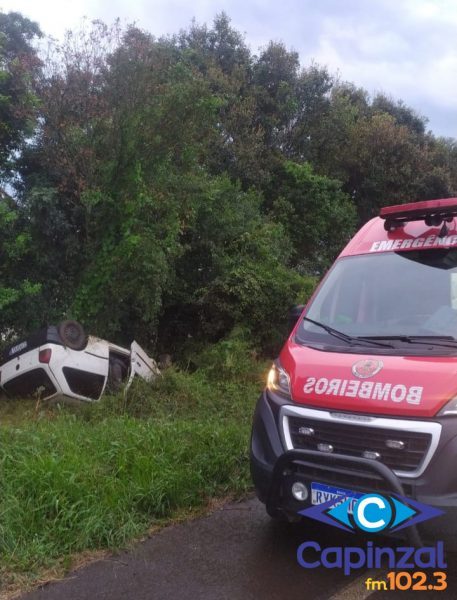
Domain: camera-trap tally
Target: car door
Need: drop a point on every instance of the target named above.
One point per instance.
(141, 364)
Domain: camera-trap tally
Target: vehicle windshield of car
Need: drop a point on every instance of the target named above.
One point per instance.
(387, 301)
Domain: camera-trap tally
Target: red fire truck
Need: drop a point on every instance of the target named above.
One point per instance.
(363, 396)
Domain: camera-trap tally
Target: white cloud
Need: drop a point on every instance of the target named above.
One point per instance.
(409, 54)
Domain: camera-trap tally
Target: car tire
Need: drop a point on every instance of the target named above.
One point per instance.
(72, 335)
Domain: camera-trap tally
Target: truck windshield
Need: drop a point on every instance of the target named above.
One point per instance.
(405, 298)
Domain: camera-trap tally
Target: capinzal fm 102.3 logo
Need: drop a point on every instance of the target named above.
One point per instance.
(372, 513)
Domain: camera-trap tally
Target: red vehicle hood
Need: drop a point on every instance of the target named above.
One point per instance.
(409, 386)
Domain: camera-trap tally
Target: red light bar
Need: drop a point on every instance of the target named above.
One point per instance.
(433, 212)
(445, 207)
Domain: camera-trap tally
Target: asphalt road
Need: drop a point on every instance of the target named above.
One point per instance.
(236, 553)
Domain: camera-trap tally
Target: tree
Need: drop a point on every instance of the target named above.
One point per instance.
(403, 115)
(317, 214)
(183, 186)
(19, 70)
(383, 163)
(233, 269)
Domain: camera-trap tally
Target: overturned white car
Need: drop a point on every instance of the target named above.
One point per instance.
(61, 362)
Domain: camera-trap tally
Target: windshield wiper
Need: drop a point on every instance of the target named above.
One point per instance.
(345, 337)
(435, 340)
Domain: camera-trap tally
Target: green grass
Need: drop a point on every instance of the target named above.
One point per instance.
(97, 477)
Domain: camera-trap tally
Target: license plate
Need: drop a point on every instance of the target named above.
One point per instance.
(321, 493)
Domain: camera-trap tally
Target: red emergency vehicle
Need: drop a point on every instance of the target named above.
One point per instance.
(363, 396)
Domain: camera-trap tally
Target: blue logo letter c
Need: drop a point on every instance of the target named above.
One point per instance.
(372, 513)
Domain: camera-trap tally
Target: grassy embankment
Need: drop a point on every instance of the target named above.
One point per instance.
(97, 477)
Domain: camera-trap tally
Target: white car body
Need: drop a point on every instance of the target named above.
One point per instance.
(59, 372)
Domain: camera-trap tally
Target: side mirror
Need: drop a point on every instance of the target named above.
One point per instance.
(294, 314)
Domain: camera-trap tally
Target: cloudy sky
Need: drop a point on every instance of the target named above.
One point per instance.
(405, 48)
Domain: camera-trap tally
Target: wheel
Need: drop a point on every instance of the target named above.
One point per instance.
(116, 374)
(72, 335)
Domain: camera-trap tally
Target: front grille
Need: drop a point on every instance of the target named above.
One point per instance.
(354, 440)
(367, 482)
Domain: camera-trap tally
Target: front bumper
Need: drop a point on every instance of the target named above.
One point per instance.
(273, 466)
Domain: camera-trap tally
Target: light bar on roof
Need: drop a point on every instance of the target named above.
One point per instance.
(433, 212)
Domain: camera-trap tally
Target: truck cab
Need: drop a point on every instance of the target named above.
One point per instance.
(363, 396)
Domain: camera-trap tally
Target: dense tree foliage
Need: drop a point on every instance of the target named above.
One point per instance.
(19, 72)
(180, 188)
(19, 69)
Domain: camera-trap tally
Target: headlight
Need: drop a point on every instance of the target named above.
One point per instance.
(278, 380)
(449, 409)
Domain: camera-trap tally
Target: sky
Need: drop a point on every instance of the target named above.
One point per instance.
(404, 48)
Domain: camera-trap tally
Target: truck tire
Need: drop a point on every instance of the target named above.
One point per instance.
(72, 335)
